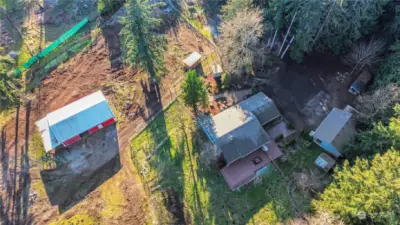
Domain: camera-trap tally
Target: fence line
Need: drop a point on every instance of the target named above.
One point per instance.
(138, 167)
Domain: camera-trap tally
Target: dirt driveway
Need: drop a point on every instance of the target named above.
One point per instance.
(304, 93)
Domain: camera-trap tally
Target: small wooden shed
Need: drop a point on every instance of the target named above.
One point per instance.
(217, 70)
(192, 60)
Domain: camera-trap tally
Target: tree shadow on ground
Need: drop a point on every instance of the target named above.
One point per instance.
(111, 37)
(82, 167)
(197, 205)
(15, 201)
(6, 198)
(179, 174)
(153, 98)
(172, 192)
(14, 12)
(163, 150)
(167, 161)
(170, 20)
(212, 10)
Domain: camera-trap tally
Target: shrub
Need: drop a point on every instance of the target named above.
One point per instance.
(279, 138)
(225, 80)
(389, 71)
(106, 7)
(365, 193)
(290, 126)
(377, 139)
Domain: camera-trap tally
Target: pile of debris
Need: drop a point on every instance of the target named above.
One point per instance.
(317, 107)
(343, 78)
(124, 99)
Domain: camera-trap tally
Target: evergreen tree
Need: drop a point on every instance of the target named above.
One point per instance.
(389, 70)
(143, 46)
(325, 25)
(367, 192)
(349, 21)
(105, 7)
(377, 139)
(308, 22)
(233, 6)
(8, 93)
(194, 91)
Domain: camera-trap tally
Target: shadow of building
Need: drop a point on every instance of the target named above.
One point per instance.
(82, 167)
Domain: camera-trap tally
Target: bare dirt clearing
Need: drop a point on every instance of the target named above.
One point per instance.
(302, 91)
(120, 200)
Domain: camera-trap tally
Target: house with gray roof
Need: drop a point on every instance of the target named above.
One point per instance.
(240, 138)
(262, 107)
(335, 130)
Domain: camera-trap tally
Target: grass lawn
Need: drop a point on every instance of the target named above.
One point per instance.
(198, 195)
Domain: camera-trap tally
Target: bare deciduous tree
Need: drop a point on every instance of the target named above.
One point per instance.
(365, 54)
(375, 105)
(240, 41)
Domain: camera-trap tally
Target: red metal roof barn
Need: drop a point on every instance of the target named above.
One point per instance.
(70, 123)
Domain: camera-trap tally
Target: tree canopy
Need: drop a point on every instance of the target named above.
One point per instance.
(105, 7)
(8, 94)
(367, 192)
(325, 25)
(143, 46)
(232, 7)
(377, 139)
(389, 70)
(240, 41)
(194, 91)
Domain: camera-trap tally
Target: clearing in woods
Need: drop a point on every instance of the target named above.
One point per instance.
(121, 198)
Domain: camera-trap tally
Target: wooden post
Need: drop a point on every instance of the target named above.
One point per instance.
(273, 39)
(323, 24)
(287, 33)
(287, 47)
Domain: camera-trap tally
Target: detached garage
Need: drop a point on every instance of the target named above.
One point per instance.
(70, 123)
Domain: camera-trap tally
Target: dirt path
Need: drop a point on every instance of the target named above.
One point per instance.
(82, 75)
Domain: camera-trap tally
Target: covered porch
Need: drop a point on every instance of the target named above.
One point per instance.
(244, 170)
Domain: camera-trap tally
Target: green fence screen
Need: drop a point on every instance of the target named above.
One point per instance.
(55, 44)
(63, 38)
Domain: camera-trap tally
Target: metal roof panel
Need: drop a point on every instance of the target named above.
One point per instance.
(79, 123)
(75, 107)
(332, 124)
